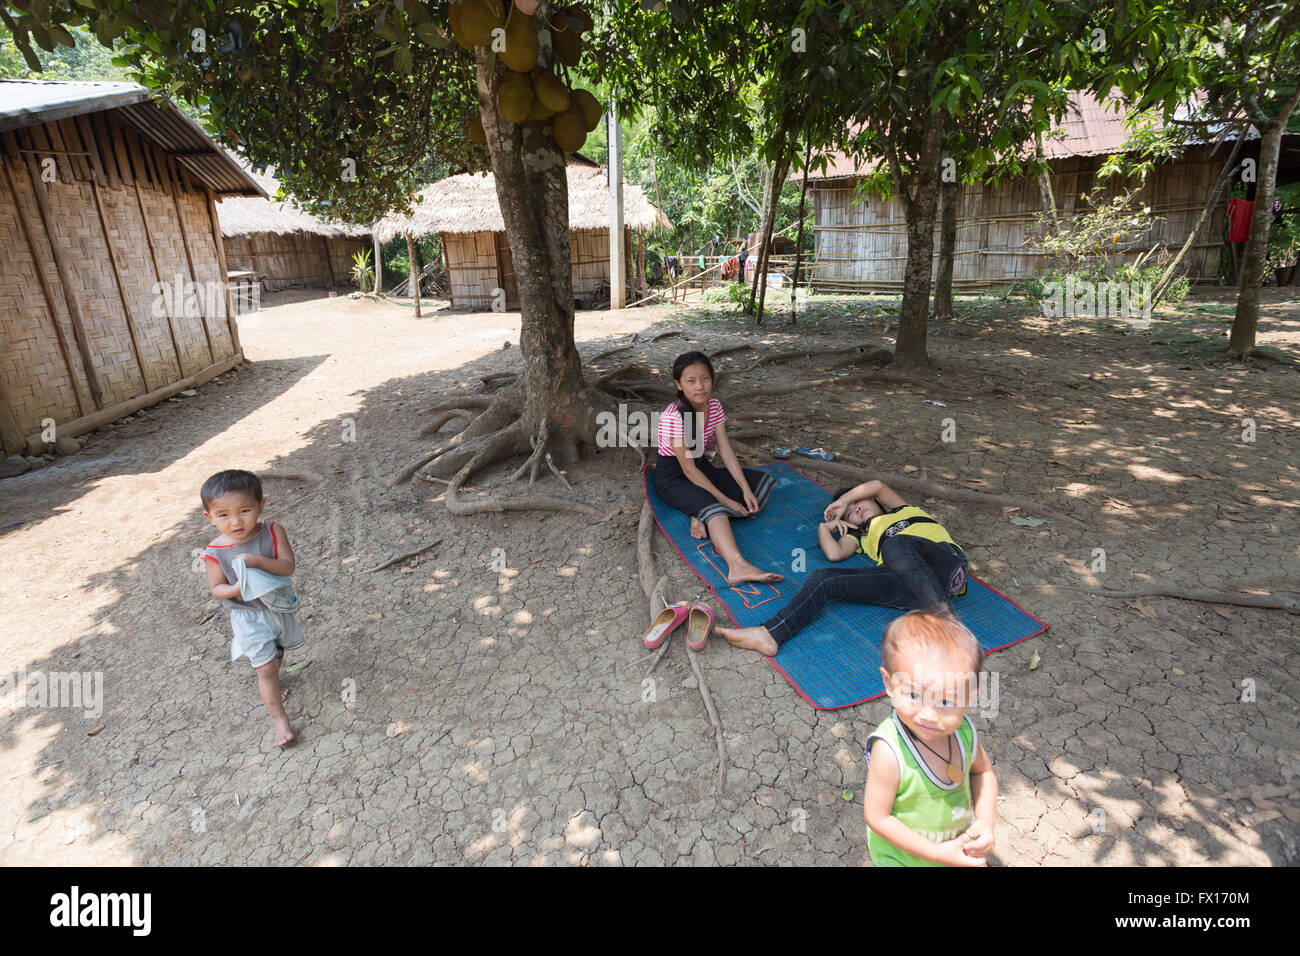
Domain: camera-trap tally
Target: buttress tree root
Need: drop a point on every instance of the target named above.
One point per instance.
(497, 433)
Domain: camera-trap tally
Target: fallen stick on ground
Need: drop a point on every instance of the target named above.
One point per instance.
(645, 560)
(1274, 601)
(402, 557)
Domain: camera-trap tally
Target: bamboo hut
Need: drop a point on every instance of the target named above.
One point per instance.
(464, 211)
(861, 245)
(282, 245)
(114, 294)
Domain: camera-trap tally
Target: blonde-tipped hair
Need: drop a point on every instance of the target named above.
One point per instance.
(930, 632)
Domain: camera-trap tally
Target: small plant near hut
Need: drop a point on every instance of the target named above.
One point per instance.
(363, 272)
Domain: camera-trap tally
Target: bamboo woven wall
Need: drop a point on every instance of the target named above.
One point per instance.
(472, 264)
(864, 245)
(92, 216)
(288, 260)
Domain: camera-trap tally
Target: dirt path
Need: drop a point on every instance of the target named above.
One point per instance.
(455, 713)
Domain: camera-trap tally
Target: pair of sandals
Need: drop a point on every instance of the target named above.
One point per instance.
(670, 618)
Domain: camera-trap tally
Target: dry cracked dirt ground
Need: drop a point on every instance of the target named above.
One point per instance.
(497, 716)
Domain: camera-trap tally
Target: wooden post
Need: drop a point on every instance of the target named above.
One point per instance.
(189, 257)
(640, 261)
(379, 263)
(617, 249)
(61, 266)
(215, 220)
(415, 276)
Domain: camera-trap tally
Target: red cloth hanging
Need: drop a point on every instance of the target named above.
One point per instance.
(1240, 215)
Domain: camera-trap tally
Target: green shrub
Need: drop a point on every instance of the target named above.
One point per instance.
(363, 274)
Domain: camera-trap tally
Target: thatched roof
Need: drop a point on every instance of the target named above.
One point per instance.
(244, 217)
(468, 203)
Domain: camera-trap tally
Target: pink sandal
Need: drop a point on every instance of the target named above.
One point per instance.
(665, 622)
(697, 632)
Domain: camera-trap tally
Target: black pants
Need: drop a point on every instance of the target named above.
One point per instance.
(915, 574)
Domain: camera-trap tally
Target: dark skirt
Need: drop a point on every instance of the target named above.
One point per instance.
(677, 490)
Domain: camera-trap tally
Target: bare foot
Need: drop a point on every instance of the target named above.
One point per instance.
(283, 732)
(698, 530)
(284, 694)
(742, 571)
(750, 638)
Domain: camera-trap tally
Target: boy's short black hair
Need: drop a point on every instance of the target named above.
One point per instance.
(224, 482)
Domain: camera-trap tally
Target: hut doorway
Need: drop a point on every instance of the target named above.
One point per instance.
(506, 272)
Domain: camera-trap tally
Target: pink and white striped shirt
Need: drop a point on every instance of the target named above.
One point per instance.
(671, 429)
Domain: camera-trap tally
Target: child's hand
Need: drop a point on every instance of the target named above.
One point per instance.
(253, 560)
(751, 502)
(734, 506)
(835, 511)
(979, 840)
(952, 852)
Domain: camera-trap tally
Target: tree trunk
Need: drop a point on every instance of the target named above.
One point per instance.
(910, 349)
(534, 199)
(758, 253)
(1242, 339)
(798, 243)
(379, 266)
(1045, 181)
(779, 172)
(947, 248)
(415, 275)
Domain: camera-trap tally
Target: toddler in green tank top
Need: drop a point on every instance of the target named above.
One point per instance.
(931, 796)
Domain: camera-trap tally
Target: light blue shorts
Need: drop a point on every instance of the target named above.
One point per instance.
(260, 634)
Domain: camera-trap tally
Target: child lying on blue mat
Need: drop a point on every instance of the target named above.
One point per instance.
(921, 567)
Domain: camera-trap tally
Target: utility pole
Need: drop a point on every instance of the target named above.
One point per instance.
(617, 250)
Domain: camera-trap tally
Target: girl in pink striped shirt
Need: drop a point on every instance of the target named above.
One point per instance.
(684, 479)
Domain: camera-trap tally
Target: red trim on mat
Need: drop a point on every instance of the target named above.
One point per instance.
(772, 660)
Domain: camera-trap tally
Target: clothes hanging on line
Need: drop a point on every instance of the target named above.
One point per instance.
(1241, 213)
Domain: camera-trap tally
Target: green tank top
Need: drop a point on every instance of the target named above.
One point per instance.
(937, 809)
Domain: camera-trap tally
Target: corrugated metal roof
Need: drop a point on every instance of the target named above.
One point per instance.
(28, 102)
(1091, 127)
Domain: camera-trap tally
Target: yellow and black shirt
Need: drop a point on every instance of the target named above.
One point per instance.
(905, 519)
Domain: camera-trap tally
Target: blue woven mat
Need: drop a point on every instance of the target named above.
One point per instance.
(834, 661)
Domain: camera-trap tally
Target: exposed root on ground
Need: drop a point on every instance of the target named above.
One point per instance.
(1275, 359)
(402, 557)
(653, 586)
(607, 353)
(497, 433)
(480, 402)
(1273, 601)
(435, 426)
(862, 355)
(892, 377)
(727, 350)
(308, 476)
(490, 381)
